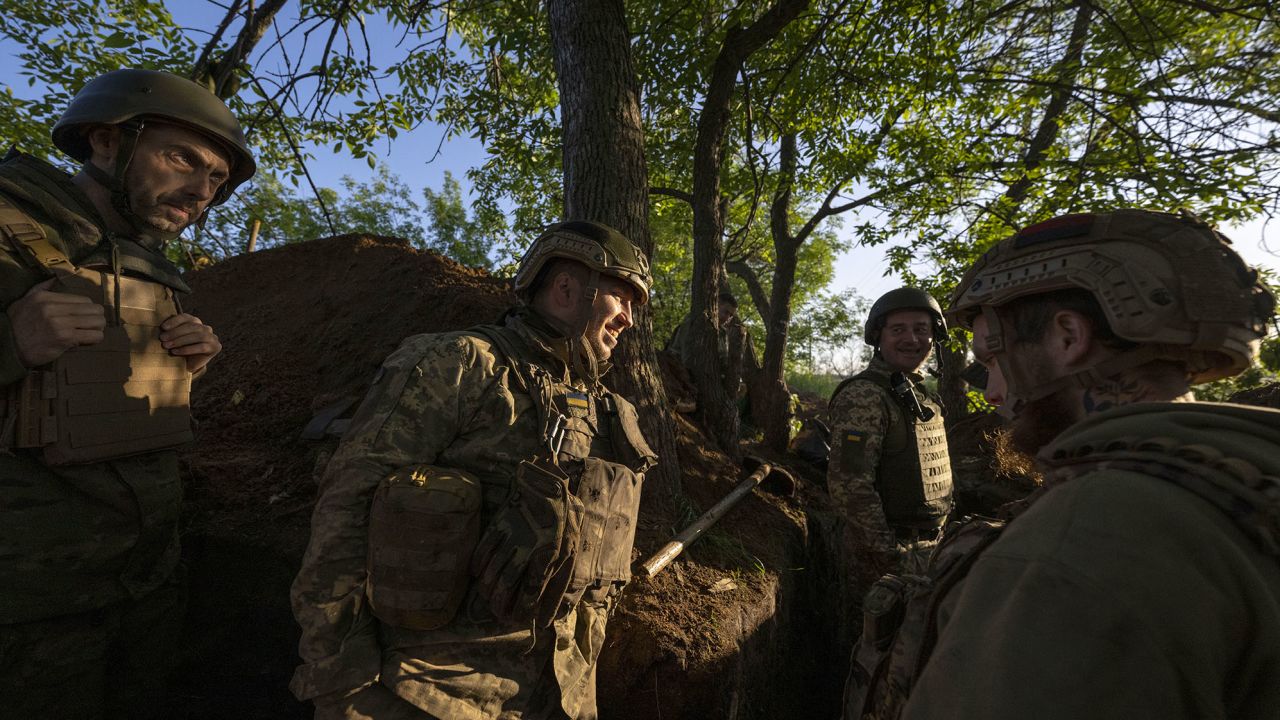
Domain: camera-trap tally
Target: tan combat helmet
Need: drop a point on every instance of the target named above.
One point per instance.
(1170, 283)
(602, 249)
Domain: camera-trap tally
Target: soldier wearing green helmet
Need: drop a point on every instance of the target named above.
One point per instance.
(97, 358)
(1143, 579)
(889, 472)
(474, 528)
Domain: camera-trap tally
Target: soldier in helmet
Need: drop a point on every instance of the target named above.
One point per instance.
(889, 473)
(1143, 580)
(474, 528)
(98, 358)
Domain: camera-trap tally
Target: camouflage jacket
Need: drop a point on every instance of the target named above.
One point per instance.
(1143, 583)
(862, 410)
(76, 537)
(448, 400)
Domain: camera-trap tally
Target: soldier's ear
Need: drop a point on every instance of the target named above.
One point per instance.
(104, 142)
(1071, 338)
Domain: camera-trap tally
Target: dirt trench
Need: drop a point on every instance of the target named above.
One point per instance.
(742, 626)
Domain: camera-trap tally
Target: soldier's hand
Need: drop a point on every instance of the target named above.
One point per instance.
(46, 324)
(185, 336)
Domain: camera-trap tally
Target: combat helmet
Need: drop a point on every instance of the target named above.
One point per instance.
(129, 97)
(1168, 282)
(602, 249)
(904, 298)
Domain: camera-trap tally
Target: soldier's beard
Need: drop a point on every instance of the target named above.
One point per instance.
(1036, 426)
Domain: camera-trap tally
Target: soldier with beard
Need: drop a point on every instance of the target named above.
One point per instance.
(97, 358)
(474, 528)
(1143, 579)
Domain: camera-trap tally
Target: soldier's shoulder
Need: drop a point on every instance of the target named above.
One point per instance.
(463, 347)
(857, 390)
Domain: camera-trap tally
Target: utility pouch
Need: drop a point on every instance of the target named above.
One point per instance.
(883, 608)
(629, 446)
(423, 526)
(524, 561)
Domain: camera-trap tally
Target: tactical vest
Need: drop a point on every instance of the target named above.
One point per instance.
(123, 396)
(913, 478)
(598, 443)
(900, 615)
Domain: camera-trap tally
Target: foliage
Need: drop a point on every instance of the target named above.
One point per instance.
(383, 205)
(819, 384)
(938, 128)
(1221, 390)
(450, 232)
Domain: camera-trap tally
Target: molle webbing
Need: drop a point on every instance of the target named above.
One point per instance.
(28, 239)
(123, 396)
(914, 474)
(608, 489)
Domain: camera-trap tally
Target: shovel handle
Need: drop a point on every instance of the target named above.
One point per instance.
(672, 550)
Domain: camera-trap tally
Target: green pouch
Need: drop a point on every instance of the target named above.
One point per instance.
(423, 527)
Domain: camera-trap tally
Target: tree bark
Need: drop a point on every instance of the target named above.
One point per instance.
(717, 411)
(606, 180)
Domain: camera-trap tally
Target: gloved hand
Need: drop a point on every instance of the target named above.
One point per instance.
(524, 561)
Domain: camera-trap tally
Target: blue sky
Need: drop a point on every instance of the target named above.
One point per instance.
(413, 157)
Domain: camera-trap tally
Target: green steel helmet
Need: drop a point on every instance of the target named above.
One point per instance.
(601, 248)
(1169, 282)
(904, 298)
(123, 95)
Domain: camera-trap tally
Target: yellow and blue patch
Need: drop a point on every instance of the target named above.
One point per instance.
(578, 404)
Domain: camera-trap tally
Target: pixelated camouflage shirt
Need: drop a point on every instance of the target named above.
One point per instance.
(862, 410)
(450, 400)
(76, 537)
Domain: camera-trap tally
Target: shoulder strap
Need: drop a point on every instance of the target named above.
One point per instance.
(534, 379)
(28, 239)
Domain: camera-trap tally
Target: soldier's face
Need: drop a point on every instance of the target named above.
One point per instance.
(610, 315)
(174, 175)
(727, 312)
(907, 339)
(1039, 421)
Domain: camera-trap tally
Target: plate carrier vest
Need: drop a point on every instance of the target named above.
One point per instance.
(123, 396)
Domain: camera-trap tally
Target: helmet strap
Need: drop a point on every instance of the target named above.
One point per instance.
(1021, 389)
(585, 363)
(130, 132)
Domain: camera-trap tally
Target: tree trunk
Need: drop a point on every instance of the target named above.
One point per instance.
(717, 411)
(777, 430)
(951, 387)
(606, 180)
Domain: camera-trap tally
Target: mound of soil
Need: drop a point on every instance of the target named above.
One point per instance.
(304, 328)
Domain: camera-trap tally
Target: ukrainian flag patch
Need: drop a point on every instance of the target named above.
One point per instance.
(854, 436)
(577, 404)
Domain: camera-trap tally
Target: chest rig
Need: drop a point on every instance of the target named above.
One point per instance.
(900, 614)
(123, 396)
(593, 437)
(913, 478)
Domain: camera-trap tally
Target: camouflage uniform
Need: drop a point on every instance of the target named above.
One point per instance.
(863, 416)
(86, 551)
(448, 400)
(1143, 584)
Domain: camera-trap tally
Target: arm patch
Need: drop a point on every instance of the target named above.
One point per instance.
(853, 451)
